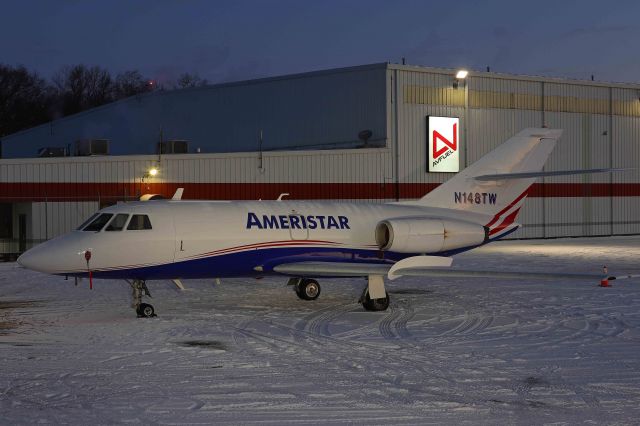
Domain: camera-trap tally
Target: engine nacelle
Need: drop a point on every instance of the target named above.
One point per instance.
(428, 235)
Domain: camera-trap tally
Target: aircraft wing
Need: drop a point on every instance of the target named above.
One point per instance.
(332, 269)
(358, 269)
(423, 266)
(462, 273)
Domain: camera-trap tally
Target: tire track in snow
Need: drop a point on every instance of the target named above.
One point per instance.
(394, 325)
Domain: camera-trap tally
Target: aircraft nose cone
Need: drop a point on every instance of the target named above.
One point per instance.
(23, 260)
(58, 256)
(29, 260)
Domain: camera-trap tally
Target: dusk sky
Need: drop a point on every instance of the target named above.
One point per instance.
(236, 40)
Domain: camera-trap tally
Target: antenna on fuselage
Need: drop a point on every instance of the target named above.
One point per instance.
(281, 196)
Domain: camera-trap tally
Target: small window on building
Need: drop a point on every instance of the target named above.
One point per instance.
(139, 222)
(98, 222)
(88, 221)
(117, 223)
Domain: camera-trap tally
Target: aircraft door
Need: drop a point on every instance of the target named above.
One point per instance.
(298, 229)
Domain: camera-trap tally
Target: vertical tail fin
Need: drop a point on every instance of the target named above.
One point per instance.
(525, 152)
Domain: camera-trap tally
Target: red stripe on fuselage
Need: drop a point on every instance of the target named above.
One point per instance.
(263, 245)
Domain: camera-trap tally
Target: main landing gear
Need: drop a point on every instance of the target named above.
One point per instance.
(370, 304)
(305, 288)
(144, 310)
(374, 296)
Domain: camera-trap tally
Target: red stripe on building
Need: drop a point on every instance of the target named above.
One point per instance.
(92, 191)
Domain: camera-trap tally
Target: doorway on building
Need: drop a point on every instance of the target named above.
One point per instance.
(22, 233)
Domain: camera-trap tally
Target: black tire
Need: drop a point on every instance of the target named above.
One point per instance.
(145, 311)
(308, 289)
(299, 292)
(375, 304)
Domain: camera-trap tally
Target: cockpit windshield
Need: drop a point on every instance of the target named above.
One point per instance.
(88, 221)
(98, 223)
(117, 223)
(139, 222)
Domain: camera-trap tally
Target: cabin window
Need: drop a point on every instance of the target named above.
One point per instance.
(117, 223)
(99, 222)
(139, 222)
(88, 221)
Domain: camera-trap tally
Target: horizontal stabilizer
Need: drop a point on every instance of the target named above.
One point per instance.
(525, 175)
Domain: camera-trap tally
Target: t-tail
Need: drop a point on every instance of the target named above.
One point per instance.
(497, 184)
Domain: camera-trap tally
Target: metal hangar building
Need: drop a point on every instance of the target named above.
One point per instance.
(358, 133)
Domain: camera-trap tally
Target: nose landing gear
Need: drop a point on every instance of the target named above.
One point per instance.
(144, 310)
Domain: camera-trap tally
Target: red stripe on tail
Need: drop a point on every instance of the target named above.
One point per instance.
(501, 212)
(506, 222)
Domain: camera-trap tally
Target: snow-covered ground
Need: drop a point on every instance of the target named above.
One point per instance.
(244, 351)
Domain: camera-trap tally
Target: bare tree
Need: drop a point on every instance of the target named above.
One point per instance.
(81, 87)
(131, 83)
(27, 100)
(190, 80)
(24, 99)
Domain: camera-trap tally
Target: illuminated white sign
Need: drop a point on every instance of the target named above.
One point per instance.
(442, 144)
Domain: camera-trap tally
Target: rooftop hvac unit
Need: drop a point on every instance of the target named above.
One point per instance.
(173, 147)
(87, 147)
(52, 151)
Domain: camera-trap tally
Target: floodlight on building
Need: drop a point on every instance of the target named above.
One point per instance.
(462, 74)
(149, 173)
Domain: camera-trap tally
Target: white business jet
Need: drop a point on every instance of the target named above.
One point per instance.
(304, 240)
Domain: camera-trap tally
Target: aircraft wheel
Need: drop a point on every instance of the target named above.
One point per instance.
(145, 311)
(375, 304)
(308, 289)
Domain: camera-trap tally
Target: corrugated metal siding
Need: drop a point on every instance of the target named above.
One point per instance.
(626, 153)
(412, 143)
(50, 219)
(488, 128)
(363, 165)
(601, 129)
(369, 170)
(626, 102)
(501, 107)
(504, 94)
(309, 110)
(585, 144)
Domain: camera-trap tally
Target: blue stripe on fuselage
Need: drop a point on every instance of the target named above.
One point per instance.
(241, 264)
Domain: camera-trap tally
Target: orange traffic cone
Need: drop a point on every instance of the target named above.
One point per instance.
(604, 282)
